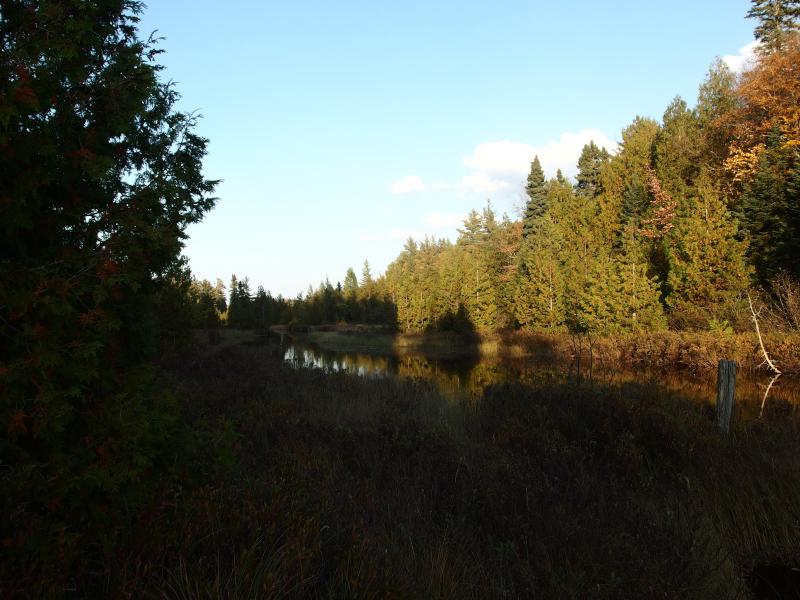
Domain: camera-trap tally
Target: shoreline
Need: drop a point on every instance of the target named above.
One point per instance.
(694, 351)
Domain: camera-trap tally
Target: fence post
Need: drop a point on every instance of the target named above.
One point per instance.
(726, 388)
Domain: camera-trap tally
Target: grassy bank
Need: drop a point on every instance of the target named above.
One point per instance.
(697, 351)
(310, 485)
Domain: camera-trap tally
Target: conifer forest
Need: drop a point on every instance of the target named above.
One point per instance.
(527, 409)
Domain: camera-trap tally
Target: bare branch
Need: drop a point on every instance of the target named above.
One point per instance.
(767, 359)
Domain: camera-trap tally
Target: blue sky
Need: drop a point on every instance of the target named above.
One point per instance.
(341, 128)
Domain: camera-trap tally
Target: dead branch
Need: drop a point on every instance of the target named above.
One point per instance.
(767, 360)
(766, 393)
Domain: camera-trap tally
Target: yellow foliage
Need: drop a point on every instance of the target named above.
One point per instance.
(769, 97)
(742, 163)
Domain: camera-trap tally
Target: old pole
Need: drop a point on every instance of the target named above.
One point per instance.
(726, 388)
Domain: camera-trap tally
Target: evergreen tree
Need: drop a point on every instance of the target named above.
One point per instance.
(641, 308)
(777, 20)
(707, 268)
(366, 278)
(576, 220)
(540, 288)
(537, 197)
(101, 175)
(590, 164)
(204, 297)
(619, 296)
(716, 102)
(677, 149)
(220, 303)
(624, 180)
(769, 213)
(350, 288)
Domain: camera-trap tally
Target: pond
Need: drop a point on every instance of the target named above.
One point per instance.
(758, 394)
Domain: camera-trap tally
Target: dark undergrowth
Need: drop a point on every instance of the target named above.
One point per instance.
(301, 484)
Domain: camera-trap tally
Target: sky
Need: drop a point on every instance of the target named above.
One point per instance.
(339, 129)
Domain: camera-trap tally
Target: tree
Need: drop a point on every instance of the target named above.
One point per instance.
(769, 212)
(768, 100)
(677, 148)
(537, 197)
(106, 177)
(707, 268)
(716, 100)
(539, 300)
(590, 164)
(624, 179)
(619, 296)
(350, 287)
(366, 278)
(777, 20)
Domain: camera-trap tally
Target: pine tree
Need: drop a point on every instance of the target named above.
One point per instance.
(482, 266)
(350, 288)
(707, 268)
(768, 212)
(366, 278)
(624, 180)
(716, 102)
(640, 308)
(537, 197)
(590, 163)
(777, 20)
(540, 287)
(619, 296)
(677, 149)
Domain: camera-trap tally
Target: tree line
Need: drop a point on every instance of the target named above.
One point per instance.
(670, 231)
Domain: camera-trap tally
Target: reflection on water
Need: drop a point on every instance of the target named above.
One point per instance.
(758, 395)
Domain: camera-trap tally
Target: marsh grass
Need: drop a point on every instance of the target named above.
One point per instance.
(304, 484)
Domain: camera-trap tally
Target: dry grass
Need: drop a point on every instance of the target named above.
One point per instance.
(348, 487)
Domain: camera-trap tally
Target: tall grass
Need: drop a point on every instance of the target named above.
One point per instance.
(302, 484)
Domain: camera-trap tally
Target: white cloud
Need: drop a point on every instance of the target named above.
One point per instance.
(499, 168)
(407, 185)
(438, 220)
(738, 62)
(500, 158)
(503, 165)
(413, 183)
(481, 183)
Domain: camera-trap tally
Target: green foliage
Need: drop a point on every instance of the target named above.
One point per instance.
(623, 180)
(107, 175)
(540, 285)
(619, 296)
(677, 149)
(769, 212)
(716, 101)
(350, 288)
(537, 197)
(776, 19)
(590, 164)
(707, 269)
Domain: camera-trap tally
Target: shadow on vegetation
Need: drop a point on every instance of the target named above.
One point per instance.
(457, 321)
(308, 484)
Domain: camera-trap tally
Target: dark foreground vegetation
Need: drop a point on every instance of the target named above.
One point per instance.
(295, 483)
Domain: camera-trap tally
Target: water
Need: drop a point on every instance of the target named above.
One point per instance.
(468, 377)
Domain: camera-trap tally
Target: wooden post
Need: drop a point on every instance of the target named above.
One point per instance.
(726, 388)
